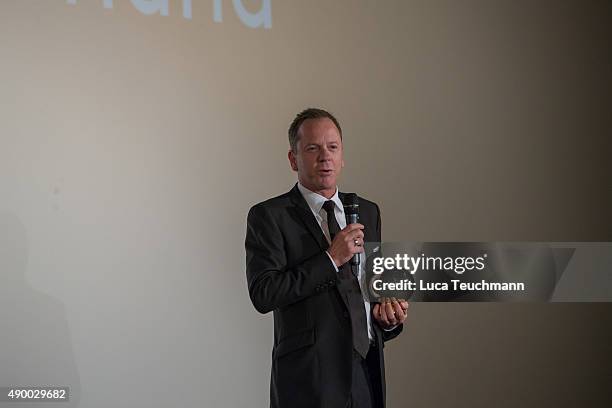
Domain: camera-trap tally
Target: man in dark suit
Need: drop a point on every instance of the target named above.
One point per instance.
(328, 340)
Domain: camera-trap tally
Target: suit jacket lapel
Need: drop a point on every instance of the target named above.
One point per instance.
(308, 218)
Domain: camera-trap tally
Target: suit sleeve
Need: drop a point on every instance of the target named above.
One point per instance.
(386, 334)
(271, 282)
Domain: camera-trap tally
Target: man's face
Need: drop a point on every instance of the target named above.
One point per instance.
(318, 160)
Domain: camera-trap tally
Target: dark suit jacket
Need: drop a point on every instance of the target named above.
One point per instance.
(288, 272)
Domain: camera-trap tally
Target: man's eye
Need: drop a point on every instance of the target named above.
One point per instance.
(311, 148)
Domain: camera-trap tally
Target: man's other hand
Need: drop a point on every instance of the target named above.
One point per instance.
(390, 313)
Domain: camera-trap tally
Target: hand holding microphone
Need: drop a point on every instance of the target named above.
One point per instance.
(351, 212)
(346, 243)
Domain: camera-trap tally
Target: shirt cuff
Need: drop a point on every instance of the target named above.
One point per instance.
(332, 261)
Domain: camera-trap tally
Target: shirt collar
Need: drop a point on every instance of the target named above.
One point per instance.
(315, 201)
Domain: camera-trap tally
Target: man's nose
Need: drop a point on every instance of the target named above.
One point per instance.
(324, 155)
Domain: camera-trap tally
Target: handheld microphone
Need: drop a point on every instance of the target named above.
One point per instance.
(351, 211)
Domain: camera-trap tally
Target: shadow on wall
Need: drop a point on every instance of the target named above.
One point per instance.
(35, 345)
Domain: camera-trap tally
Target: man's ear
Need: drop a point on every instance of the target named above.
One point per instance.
(292, 160)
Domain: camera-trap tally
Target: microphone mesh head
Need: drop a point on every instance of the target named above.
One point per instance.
(351, 204)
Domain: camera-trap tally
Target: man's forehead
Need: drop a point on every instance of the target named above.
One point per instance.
(321, 130)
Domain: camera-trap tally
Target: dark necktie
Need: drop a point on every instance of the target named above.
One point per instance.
(349, 287)
(332, 222)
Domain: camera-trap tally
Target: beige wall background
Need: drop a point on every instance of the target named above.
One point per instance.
(133, 145)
